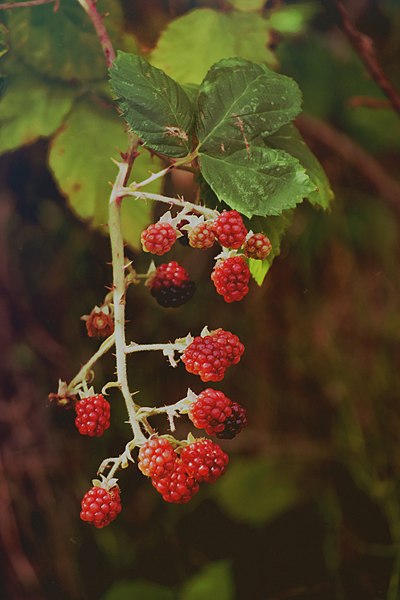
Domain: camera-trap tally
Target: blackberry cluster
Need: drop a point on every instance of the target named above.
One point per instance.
(171, 286)
(92, 415)
(217, 414)
(100, 506)
(231, 278)
(156, 457)
(258, 246)
(229, 229)
(178, 480)
(158, 238)
(209, 356)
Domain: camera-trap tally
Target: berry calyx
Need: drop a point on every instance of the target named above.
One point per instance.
(179, 486)
(92, 415)
(205, 460)
(231, 278)
(230, 229)
(99, 323)
(100, 506)
(202, 236)
(170, 285)
(210, 411)
(158, 238)
(156, 457)
(234, 423)
(257, 246)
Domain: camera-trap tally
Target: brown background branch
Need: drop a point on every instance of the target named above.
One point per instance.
(353, 154)
(364, 47)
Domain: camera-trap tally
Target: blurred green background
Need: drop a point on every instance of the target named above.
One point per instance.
(310, 505)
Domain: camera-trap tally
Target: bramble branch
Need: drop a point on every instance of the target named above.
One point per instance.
(89, 6)
(353, 154)
(367, 102)
(364, 47)
(82, 374)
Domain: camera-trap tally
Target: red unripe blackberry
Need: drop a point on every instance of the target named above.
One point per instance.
(177, 487)
(210, 411)
(170, 285)
(92, 415)
(205, 460)
(206, 357)
(156, 457)
(99, 323)
(258, 246)
(100, 506)
(230, 229)
(158, 238)
(231, 278)
(232, 345)
(234, 423)
(202, 236)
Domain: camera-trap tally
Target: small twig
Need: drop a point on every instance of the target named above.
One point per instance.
(27, 4)
(364, 47)
(367, 102)
(353, 154)
(90, 8)
(81, 376)
(176, 347)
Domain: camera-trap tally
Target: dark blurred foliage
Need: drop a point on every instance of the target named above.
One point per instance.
(320, 376)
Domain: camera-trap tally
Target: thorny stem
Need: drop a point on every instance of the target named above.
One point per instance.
(89, 6)
(119, 290)
(207, 212)
(82, 375)
(174, 409)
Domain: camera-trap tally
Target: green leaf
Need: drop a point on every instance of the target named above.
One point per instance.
(274, 228)
(223, 34)
(239, 101)
(293, 19)
(247, 5)
(214, 581)
(140, 590)
(30, 109)
(80, 160)
(154, 105)
(62, 44)
(290, 140)
(262, 181)
(256, 491)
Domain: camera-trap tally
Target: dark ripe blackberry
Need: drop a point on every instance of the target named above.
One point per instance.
(184, 239)
(174, 296)
(234, 423)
